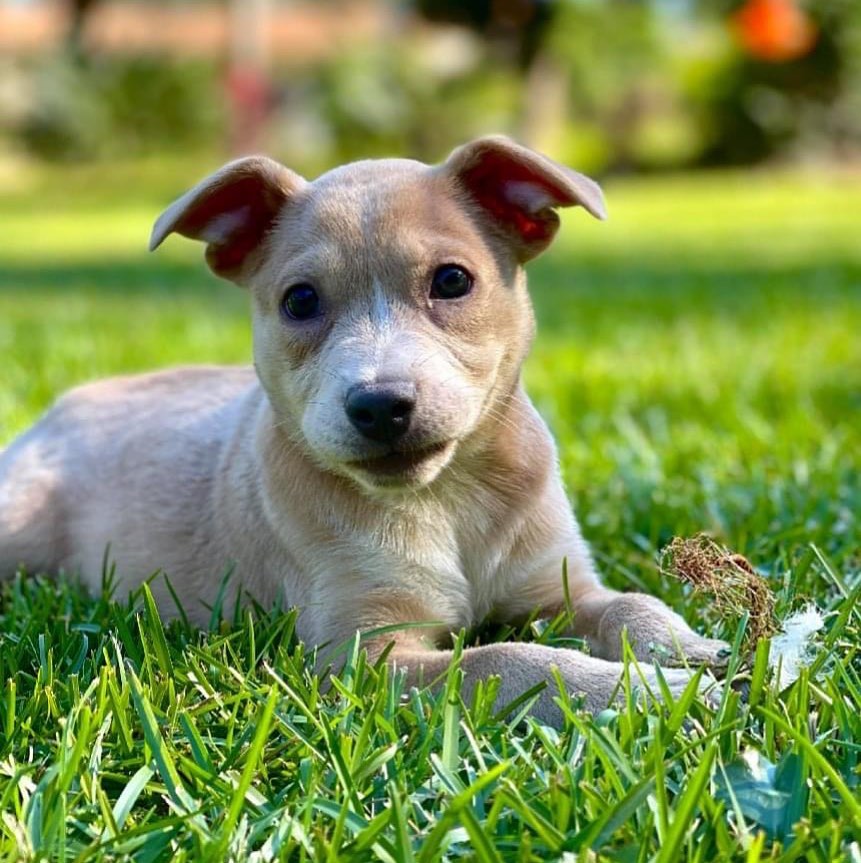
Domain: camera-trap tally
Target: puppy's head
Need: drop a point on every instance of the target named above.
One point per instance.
(389, 301)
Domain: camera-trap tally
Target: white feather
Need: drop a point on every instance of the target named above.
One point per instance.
(790, 651)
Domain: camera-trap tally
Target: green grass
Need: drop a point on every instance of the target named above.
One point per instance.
(699, 359)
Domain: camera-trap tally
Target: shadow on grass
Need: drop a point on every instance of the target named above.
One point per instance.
(563, 288)
(661, 290)
(138, 275)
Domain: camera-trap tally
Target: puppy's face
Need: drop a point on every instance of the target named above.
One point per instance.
(386, 321)
(390, 309)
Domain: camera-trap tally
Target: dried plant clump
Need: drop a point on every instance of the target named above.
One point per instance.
(728, 578)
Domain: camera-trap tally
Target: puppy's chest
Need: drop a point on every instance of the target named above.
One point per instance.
(454, 551)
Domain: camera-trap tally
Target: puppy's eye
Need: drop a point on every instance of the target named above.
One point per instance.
(450, 282)
(301, 302)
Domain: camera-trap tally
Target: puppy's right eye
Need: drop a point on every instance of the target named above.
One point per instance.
(301, 302)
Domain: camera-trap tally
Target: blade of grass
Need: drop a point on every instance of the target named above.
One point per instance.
(183, 801)
(686, 805)
(252, 759)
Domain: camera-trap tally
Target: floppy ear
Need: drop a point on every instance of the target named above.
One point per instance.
(231, 211)
(519, 189)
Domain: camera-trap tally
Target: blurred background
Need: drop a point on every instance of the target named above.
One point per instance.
(698, 354)
(608, 85)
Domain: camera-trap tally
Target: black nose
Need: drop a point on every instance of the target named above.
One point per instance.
(381, 411)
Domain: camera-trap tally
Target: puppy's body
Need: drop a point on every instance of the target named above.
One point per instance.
(383, 466)
(137, 464)
(192, 462)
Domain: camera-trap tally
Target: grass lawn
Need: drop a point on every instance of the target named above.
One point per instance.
(699, 358)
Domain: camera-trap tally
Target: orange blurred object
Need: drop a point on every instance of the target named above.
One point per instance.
(774, 30)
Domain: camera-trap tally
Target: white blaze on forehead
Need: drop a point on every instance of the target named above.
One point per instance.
(381, 310)
(366, 351)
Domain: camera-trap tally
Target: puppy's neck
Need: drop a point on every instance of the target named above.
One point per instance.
(511, 451)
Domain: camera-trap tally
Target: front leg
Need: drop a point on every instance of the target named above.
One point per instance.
(532, 580)
(519, 667)
(596, 683)
(601, 616)
(655, 632)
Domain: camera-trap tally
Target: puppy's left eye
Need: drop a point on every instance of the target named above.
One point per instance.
(450, 282)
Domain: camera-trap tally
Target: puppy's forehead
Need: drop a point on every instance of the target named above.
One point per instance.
(374, 205)
(370, 173)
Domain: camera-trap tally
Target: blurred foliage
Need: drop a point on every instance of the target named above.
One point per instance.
(379, 102)
(643, 89)
(617, 76)
(609, 86)
(521, 26)
(752, 109)
(91, 107)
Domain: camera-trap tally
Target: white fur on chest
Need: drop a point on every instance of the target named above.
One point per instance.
(448, 553)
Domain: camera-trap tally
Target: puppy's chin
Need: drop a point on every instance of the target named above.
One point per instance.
(408, 470)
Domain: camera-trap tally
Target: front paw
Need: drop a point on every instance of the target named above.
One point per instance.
(677, 681)
(689, 649)
(656, 634)
(597, 684)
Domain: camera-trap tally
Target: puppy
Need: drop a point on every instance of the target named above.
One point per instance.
(381, 464)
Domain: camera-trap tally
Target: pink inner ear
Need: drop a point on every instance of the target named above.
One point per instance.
(224, 225)
(513, 193)
(232, 220)
(228, 258)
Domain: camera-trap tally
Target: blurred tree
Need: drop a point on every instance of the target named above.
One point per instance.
(249, 88)
(604, 84)
(121, 106)
(615, 67)
(78, 13)
(519, 31)
(521, 27)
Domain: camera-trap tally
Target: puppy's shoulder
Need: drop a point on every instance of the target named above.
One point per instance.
(194, 387)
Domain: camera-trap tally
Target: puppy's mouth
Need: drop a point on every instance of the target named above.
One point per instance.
(400, 463)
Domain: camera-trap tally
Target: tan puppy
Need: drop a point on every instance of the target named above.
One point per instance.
(384, 465)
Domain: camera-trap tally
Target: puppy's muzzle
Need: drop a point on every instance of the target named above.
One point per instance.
(381, 411)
